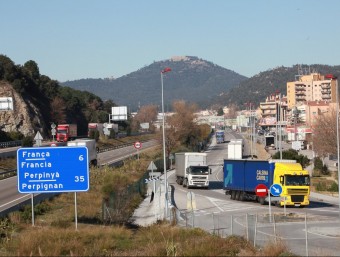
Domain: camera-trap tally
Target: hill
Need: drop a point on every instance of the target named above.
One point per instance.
(39, 101)
(191, 79)
(258, 87)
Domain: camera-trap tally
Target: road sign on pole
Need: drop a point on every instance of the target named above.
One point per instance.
(52, 169)
(261, 190)
(276, 189)
(137, 145)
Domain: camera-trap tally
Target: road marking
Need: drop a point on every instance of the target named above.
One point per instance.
(14, 200)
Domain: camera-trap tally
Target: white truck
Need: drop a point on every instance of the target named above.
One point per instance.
(235, 149)
(91, 148)
(192, 170)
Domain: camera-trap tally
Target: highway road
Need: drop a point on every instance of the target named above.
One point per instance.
(10, 197)
(213, 211)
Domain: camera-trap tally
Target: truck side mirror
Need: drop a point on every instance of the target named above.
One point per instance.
(281, 180)
(210, 170)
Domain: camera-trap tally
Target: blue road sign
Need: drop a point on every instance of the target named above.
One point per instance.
(276, 189)
(52, 169)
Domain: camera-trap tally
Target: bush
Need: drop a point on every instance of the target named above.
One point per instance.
(27, 141)
(334, 187)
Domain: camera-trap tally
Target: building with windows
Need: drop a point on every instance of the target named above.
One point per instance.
(313, 87)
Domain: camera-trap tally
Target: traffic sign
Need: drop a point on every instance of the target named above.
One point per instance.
(38, 136)
(138, 145)
(261, 190)
(152, 166)
(52, 169)
(276, 189)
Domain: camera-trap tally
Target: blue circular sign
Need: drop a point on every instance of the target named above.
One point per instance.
(276, 189)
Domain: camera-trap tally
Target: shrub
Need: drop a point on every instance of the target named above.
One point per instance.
(27, 141)
(334, 187)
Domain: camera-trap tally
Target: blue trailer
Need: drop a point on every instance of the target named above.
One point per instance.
(241, 177)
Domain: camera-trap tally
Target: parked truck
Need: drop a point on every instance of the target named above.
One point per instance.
(95, 127)
(91, 148)
(235, 149)
(219, 136)
(192, 170)
(241, 177)
(66, 132)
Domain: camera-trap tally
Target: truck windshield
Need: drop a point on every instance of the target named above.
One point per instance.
(297, 180)
(62, 131)
(199, 171)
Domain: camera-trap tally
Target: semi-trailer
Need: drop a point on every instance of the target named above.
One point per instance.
(192, 169)
(91, 148)
(241, 177)
(66, 132)
(235, 149)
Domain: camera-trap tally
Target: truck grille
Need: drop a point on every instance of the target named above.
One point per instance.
(297, 198)
(300, 191)
(199, 177)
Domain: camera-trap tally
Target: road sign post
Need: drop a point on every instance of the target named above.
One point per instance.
(137, 145)
(53, 169)
(261, 190)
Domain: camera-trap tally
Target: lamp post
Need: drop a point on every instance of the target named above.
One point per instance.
(337, 133)
(164, 156)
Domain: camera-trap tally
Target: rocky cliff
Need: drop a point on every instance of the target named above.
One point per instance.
(24, 118)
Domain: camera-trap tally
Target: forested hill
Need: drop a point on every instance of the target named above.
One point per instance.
(258, 87)
(45, 101)
(191, 79)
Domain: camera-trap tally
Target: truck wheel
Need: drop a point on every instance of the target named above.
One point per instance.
(185, 183)
(181, 181)
(237, 195)
(241, 197)
(232, 195)
(261, 200)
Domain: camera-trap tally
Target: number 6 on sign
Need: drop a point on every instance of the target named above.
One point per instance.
(81, 158)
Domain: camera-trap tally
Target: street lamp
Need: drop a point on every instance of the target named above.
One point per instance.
(164, 156)
(337, 133)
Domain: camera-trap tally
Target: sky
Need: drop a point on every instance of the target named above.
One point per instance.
(78, 39)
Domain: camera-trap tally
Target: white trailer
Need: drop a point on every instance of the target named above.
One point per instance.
(192, 170)
(91, 148)
(235, 149)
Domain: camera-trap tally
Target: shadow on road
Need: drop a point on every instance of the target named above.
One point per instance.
(215, 185)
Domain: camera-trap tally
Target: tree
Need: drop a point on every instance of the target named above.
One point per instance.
(182, 122)
(232, 111)
(58, 110)
(146, 114)
(292, 154)
(32, 68)
(324, 134)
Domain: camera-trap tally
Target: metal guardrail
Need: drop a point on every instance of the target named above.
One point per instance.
(4, 173)
(10, 144)
(117, 146)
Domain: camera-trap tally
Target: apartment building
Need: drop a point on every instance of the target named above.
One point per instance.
(273, 110)
(312, 87)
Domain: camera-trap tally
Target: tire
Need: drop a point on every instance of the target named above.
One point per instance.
(237, 195)
(261, 200)
(233, 195)
(241, 197)
(185, 182)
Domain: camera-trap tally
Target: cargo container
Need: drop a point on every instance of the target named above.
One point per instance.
(241, 177)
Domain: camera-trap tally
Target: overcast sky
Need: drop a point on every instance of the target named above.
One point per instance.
(75, 39)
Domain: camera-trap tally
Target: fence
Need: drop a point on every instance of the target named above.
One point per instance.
(116, 208)
(260, 229)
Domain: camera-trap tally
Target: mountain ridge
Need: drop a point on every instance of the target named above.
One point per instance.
(191, 79)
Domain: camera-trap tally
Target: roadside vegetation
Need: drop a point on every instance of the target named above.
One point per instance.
(55, 234)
